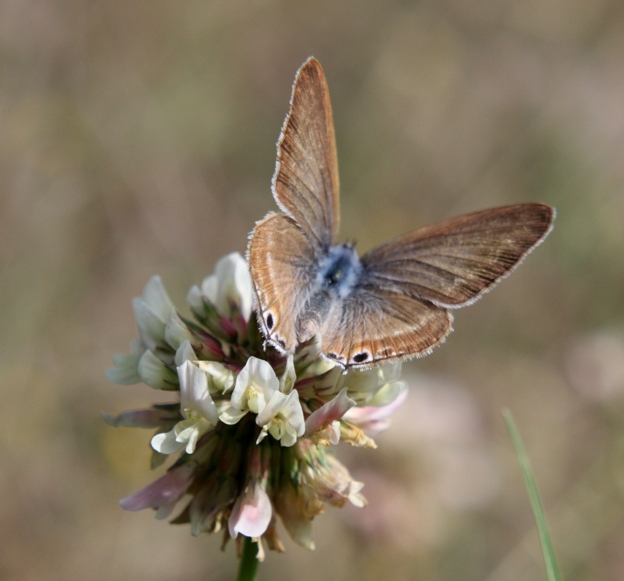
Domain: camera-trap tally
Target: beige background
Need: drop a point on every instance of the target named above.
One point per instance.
(138, 138)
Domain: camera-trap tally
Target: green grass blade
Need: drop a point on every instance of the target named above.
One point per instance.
(538, 512)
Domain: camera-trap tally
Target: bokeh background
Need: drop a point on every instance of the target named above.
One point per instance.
(139, 138)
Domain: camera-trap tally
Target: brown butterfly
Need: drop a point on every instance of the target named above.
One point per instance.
(392, 303)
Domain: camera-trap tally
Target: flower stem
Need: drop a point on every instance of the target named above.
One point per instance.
(249, 563)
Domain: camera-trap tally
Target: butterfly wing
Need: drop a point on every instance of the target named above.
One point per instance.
(282, 264)
(374, 325)
(398, 309)
(305, 183)
(454, 262)
(284, 251)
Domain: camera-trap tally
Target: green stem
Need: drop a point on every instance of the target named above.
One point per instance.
(249, 563)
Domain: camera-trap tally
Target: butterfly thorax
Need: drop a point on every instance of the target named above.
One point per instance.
(339, 270)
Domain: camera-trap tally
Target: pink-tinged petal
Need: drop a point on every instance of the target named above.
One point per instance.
(251, 513)
(164, 493)
(374, 420)
(146, 418)
(333, 410)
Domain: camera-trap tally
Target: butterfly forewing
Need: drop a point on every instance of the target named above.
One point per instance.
(305, 184)
(453, 262)
(282, 264)
(373, 326)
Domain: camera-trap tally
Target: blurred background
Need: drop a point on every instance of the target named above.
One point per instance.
(138, 138)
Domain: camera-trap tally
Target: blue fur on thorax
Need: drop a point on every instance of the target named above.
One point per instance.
(339, 271)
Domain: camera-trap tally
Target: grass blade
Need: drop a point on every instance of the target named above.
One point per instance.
(538, 512)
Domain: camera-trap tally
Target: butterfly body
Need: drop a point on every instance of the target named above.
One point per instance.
(339, 271)
(392, 303)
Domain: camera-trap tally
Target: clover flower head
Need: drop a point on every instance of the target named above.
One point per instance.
(251, 430)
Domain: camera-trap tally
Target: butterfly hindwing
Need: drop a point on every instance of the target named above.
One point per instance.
(282, 263)
(372, 326)
(305, 183)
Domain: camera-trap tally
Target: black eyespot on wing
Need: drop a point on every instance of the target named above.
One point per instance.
(269, 321)
(360, 357)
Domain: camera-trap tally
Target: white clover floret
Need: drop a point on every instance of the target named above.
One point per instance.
(255, 385)
(229, 285)
(152, 311)
(220, 378)
(282, 417)
(198, 409)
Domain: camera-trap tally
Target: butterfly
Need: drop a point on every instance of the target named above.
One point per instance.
(393, 302)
